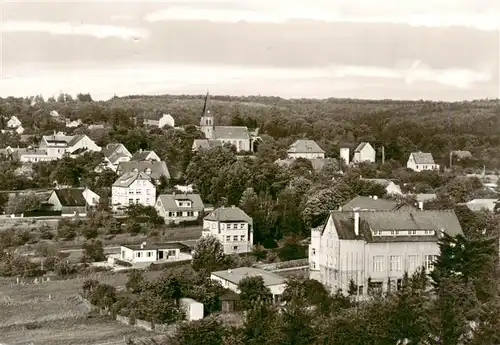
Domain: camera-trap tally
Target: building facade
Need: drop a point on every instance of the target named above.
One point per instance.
(179, 207)
(307, 149)
(133, 188)
(376, 247)
(364, 153)
(233, 228)
(421, 161)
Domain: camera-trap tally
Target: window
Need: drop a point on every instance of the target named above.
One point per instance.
(130, 201)
(395, 262)
(235, 248)
(412, 262)
(412, 232)
(179, 213)
(394, 232)
(378, 263)
(137, 254)
(171, 214)
(137, 191)
(417, 167)
(313, 265)
(235, 226)
(399, 284)
(148, 191)
(228, 238)
(149, 254)
(136, 201)
(242, 225)
(235, 238)
(190, 213)
(242, 237)
(360, 290)
(130, 191)
(147, 200)
(377, 233)
(313, 251)
(429, 232)
(429, 262)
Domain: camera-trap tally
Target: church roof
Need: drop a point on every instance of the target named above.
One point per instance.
(231, 132)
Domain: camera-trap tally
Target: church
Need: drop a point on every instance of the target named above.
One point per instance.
(239, 136)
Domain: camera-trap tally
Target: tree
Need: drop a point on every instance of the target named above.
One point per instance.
(201, 332)
(103, 296)
(23, 203)
(252, 290)
(93, 251)
(208, 254)
(136, 281)
(310, 292)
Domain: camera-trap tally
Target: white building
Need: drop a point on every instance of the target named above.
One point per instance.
(376, 245)
(144, 252)
(307, 149)
(179, 207)
(194, 310)
(114, 154)
(164, 120)
(231, 278)
(133, 188)
(58, 145)
(420, 161)
(13, 123)
(233, 228)
(364, 153)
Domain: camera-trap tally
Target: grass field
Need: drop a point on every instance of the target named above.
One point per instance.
(52, 313)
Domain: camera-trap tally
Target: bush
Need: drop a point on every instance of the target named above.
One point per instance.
(122, 263)
(159, 267)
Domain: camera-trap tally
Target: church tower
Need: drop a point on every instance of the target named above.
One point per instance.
(207, 122)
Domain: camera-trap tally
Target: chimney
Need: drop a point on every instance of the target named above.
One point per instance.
(143, 244)
(356, 221)
(421, 205)
(375, 197)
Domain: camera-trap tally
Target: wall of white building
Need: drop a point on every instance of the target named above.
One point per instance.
(306, 155)
(141, 192)
(234, 240)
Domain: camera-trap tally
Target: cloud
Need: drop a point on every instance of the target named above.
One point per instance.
(66, 28)
(259, 12)
(150, 79)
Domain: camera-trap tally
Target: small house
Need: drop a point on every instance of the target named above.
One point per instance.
(194, 310)
(421, 161)
(231, 278)
(364, 153)
(178, 207)
(390, 187)
(72, 201)
(307, 149)
(140, 253)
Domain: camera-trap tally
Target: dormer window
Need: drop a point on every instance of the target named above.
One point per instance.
(148, 171)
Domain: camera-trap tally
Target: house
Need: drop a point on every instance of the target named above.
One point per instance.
(114, 154)
(178, 207)
(54, 113)
(420, 161)
(205, 144)
(57, 145)
(13, 122)
(164, 120)
(153, 169)
(372, 203)
(364, 153)
(233, 228)
(230, 279)
(143, 155)
(481, 204)
(307, 149)
(72, 201)
(239, 136)
(31, 155)
(140, 253)
(461, 154)
(133, 188)
(376, 247)
(390, 187)
(73, 124)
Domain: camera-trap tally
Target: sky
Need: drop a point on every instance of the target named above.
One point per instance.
(427, 49)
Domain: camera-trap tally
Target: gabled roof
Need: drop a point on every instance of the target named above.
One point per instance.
(75, 139)
(206, 143)
(361, 146)
(305, 146)
(462, 154)
(113, 152)
(381, 181)
(71, 197)
(157, 168)
(141, 155)
(168, 201)
(57, 138)
(231, 132)
(422, 158)
(368, 203)
(229, 214)
(127, 179)
(445, 220)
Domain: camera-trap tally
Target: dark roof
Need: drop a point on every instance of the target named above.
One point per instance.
(229, 214)
(141, 155)
(71, 197)
(445, 220)
(155, 246)
(206, 143)
(231, 132)
(110, 149)
(423, 158)
(126, 179)
(168, 201)
(460, 154)
(368, 203)
(157, 168)
(76, 139)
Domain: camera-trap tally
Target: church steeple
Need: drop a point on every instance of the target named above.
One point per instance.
(207, 118)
